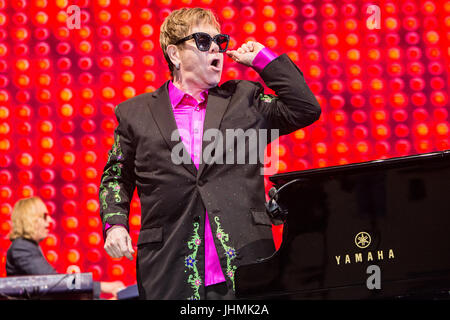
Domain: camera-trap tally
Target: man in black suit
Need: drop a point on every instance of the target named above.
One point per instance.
(202, 217)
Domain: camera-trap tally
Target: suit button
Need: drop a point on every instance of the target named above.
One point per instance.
(201, 182)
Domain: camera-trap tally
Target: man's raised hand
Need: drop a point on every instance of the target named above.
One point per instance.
(246, 53)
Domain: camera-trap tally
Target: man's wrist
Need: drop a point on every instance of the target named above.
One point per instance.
(109, 227)
(263, 58)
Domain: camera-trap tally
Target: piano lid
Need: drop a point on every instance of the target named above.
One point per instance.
(393, 214)
(380, 164)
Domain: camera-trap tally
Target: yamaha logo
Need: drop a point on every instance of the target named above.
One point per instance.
(362, 240)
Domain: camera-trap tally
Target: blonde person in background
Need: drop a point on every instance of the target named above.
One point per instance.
(31, 224)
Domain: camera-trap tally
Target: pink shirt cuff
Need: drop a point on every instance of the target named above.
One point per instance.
(263, 58)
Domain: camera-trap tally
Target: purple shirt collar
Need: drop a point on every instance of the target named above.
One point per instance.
(176, 95)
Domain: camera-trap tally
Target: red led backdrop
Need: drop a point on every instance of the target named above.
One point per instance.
(384, 93)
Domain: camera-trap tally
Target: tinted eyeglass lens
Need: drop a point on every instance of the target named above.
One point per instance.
(204, 42)
(222, 42)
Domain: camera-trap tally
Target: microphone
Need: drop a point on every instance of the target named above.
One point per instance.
(276, 212)
(272, 192)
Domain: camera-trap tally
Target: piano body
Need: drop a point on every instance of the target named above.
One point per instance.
(393, 214)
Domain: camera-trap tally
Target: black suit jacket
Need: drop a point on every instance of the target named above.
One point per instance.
(170, 256)
(24, 257)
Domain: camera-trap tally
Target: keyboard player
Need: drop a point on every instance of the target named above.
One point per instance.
(30, 225)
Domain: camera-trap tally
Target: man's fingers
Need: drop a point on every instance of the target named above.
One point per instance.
(246, 53)
(117, 251)
(233, 54)
(128, 255)
(130, 245)
(130, 249)
(112, 250)
(248, 46)
(124, 249)
(127, 248)
(118, 243)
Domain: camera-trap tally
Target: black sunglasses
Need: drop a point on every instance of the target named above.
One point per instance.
(203, 41)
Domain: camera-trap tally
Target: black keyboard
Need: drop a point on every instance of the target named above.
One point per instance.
(74, 286)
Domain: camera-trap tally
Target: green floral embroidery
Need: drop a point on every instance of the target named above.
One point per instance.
(190, 262)
(229, 251)
(103, 193)
(106, 216)
(266, 98)
(114, 171)
(114, 185)
(115, 148)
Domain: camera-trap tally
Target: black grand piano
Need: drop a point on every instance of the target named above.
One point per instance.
(343, 222)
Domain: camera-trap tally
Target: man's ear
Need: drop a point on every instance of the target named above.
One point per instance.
(173, 53)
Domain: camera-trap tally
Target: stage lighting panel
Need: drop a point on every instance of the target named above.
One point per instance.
(384, 93)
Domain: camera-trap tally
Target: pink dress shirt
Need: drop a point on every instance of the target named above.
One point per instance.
(189, 116)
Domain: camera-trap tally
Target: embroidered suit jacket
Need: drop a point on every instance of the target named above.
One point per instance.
(174, 195)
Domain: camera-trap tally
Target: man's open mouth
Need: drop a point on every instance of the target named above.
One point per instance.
(215, 63)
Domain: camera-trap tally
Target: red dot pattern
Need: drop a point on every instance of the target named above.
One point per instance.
(383, 92)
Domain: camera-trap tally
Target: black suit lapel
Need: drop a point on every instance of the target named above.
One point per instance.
(218, 101)
(162, 112)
